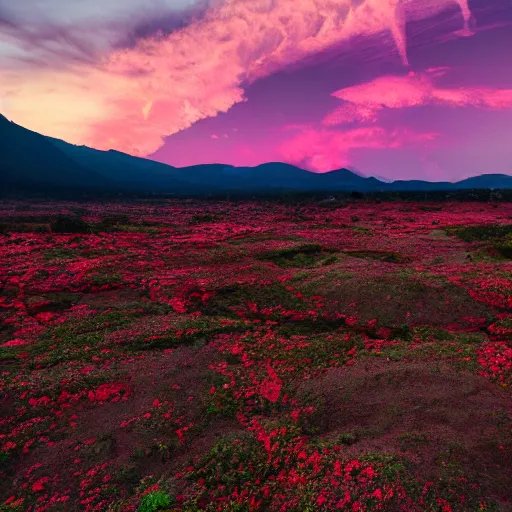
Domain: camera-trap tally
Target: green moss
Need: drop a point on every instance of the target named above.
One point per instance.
(481, 232)
(306, 255)
(103, 278)
(386, 256)
(154, 501)
(495, 238)
(361, 230)
(227, 300)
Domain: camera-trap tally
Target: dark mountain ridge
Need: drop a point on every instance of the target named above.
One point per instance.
(28, 158)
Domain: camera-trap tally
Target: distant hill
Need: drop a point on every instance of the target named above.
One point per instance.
(493, 181)
(123, 170)
(30, 159)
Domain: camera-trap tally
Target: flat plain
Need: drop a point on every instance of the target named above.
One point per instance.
(243, 356)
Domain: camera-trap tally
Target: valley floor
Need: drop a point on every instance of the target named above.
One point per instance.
(187, 356)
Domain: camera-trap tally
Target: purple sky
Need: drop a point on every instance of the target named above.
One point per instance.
(399, 89)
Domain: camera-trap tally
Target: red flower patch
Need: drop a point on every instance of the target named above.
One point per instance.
(112, 392)
(38, 486)
(496, 361)
(271, 387)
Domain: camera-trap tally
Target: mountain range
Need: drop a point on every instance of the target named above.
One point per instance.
(29, 159)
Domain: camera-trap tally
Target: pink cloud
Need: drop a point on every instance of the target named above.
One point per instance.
(363, 102)
(323, 150)
(350, 113)
(388, 91)
(136, 97)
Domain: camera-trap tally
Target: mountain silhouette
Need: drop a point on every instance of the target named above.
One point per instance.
(31, 159)
(123, 171)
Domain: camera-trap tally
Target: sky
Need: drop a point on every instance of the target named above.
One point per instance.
(398, 89)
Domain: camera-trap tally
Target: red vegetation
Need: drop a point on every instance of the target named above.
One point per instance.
(266, 357)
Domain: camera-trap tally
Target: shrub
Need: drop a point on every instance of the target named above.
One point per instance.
(4, 229)
(156, 500)
(329, 261)
(496, 236)
(110, 222)
(431, 208)
(70, 224)
(504, 246)
(482, 233)
(199, 218)
(306, 255)
(290, 252)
